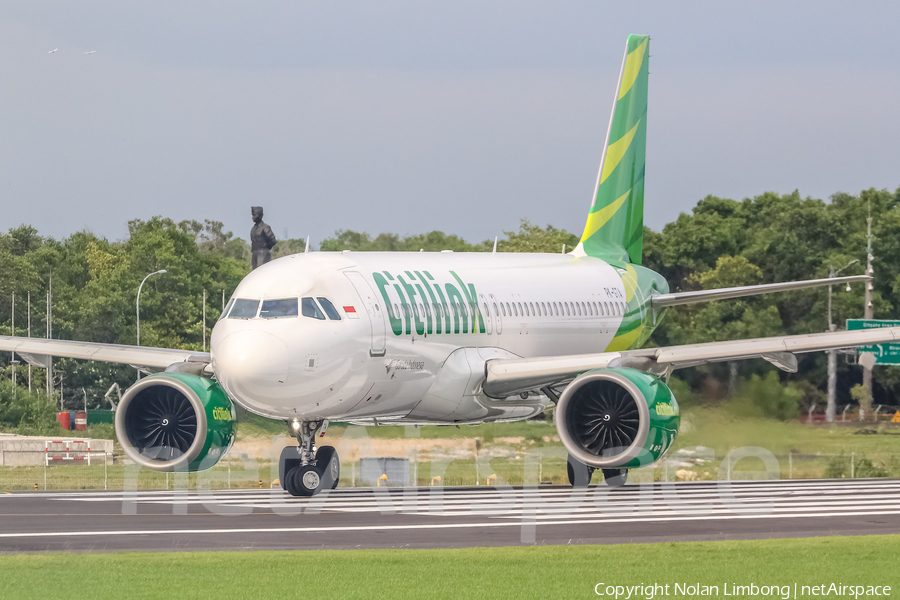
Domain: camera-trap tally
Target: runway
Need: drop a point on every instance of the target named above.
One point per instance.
(440, 517)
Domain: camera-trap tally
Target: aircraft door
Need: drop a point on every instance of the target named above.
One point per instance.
(373, 309)
(486, 313)
(495, 310)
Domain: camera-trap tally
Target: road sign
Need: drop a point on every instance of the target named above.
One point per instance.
(896, 418)
(885, 354)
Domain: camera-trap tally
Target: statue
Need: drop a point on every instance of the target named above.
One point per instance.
(261, 238)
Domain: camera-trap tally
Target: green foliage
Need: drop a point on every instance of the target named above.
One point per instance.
(682, 392)
(865, 468)
(390, 242)
(94, 286)
(772, 238)
(769, 398)
(531, 238)
(838, 467)
(862, 395)
(24, 411)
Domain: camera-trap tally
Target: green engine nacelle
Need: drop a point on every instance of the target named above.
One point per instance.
(175, 422)
(617, 418)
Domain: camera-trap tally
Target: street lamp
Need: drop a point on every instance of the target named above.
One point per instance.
(138, 308)
(832, 356)
(831, 275)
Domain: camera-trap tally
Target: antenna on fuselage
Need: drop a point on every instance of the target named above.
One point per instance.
(307, 245)
(494, 251)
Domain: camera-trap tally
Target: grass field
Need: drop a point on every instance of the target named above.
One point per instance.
(516, 573)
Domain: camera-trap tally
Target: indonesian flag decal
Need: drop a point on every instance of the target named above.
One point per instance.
(351, 312)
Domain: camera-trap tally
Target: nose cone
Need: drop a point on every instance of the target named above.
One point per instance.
(251, 365)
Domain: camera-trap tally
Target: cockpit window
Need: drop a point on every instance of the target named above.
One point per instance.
(282, 307)
(226, 309)
(243, 309)
(329, 309)
(309, 308)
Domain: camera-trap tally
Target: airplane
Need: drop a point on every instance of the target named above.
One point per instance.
(391, 338)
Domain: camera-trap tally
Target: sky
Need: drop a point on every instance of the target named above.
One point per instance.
(409, 116)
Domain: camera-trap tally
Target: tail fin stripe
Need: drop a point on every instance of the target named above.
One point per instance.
(598, 219)
(616, 151)
(632, 68)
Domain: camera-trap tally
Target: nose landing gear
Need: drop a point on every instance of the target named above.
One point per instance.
(304, 470)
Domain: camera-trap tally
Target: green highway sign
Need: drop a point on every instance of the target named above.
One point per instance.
(885, 354)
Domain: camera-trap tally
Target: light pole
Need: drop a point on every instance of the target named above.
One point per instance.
(138, 308)
(832, 357)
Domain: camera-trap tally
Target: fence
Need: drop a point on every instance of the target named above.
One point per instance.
(545, 467)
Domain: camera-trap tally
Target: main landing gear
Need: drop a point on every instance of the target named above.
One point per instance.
(305, 471)
(580, 474)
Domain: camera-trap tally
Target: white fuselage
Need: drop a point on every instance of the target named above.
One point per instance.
(410, 345)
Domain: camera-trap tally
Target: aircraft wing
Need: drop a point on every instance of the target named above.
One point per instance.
(663, 300)
(151, 360)
(505, 377)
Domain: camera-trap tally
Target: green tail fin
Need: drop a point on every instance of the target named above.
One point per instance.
(615, 225)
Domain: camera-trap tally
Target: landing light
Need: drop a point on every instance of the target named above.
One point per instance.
(848, 287)
(295, 425)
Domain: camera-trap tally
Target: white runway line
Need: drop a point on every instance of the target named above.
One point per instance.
(362, 494)
(641, 519)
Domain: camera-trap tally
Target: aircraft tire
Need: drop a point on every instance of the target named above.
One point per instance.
(304, 481)
(615, 477)
(579, 473)
(329, 465)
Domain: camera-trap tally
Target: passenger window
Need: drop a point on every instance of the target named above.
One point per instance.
(568, 309)
(487, 311)
(555, 309)
(282, 307)
(496, 312)
(226, 309)
(244, 309)
(584, 309)
(330, 310)
(396, 311)
(531, 307)
(309, 308)
(503, 309)
(544, 309)
(515, 310)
